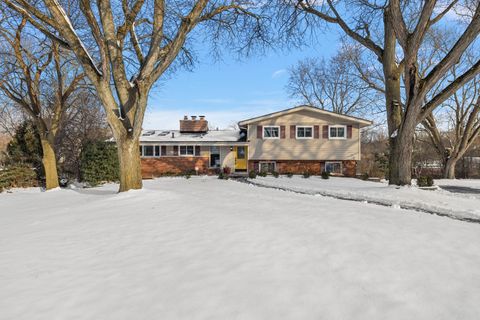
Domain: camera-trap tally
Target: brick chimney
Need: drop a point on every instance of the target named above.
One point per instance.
(194, 125)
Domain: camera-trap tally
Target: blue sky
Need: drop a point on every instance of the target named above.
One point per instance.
(229, 90)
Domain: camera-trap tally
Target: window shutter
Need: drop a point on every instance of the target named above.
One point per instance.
(316, 132)
(349, 132)
(197, 151)
(282, 132)
(325, 132)
(175, 150)
(259, 132)
(292, 132)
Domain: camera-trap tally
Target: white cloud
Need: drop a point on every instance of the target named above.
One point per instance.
(278, 73)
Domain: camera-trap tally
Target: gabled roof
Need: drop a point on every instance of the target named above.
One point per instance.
(362, 122)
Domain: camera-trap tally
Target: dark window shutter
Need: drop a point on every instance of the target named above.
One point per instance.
(197, 151)
(282, 132)
(259, 132)
(316, 132)
(325, 132)
(292, 132)
(349, 132)
(175, 150)
(163, 150)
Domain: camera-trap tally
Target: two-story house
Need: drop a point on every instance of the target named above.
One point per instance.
(296, 140)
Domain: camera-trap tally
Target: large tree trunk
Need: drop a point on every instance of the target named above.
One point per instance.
(49, 164)
(130, 166)
(401, 148)
(449, 170)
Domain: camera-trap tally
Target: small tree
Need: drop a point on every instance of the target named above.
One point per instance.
(99, 163)
(25, 147)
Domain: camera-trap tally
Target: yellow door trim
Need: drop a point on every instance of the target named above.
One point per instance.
(240, 158)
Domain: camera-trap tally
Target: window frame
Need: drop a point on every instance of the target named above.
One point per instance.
(154, 154)
(143, 150)
(338, 126)
(270, 138)
(303, 127)
(334, 162)
(219, 157)
(186, 148)
(267, 162)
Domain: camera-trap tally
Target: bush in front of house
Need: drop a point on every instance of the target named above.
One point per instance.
(306, 175)
(252, 174)
(365, 176)
(289, 175)
(99, 163)
(227, 170)
(223, 176)
(262, 173)
(17, 176)
(325, 175)
(425, 181)
(275, 174)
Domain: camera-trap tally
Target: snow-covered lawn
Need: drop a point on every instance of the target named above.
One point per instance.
(210, 249)
(439, 201)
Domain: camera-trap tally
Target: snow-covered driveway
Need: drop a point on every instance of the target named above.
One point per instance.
(457, 205)
(210, 249)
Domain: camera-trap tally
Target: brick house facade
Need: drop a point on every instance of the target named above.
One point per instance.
(297, 140)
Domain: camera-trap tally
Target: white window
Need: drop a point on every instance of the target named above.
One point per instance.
(187, 150)
(337, 132)
(333, 167)
(148, 151)
(304, 132)
(271, 132)
(266, 166)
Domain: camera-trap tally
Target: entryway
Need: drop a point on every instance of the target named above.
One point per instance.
(240, 153)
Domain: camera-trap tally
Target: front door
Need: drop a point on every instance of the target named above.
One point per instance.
(240, 158)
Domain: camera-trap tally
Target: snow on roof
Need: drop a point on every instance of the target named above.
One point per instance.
(210, 136)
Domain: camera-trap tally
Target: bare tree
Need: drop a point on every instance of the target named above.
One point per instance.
(333, 85)
(126, 46)
(38, 78)
(84, 123)
(462, 112)
(379, 27)
(10, 117)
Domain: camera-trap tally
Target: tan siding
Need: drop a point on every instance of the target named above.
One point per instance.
(303, 149)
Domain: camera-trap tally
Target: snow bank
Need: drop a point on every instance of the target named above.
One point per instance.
(435, 201)
(209, 249)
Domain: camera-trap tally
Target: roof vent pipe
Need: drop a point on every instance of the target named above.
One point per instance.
(173, 134)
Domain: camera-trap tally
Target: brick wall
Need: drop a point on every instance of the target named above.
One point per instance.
(349, 168)
(155, 167)
(314, 167)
